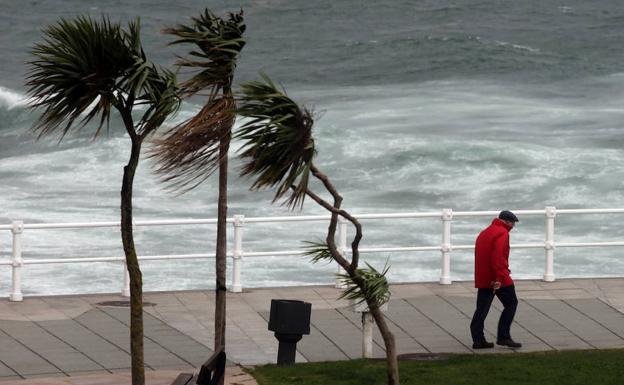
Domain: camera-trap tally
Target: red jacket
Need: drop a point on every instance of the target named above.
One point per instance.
(492, 256)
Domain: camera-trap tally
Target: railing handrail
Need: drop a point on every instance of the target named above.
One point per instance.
(300, 218)
(239, 221)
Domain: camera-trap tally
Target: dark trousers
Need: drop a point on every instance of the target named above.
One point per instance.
(507, 296)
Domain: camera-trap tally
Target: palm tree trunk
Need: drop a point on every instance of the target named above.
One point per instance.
(132, 262)
(391, 353)
(384, 330)
(221, 253)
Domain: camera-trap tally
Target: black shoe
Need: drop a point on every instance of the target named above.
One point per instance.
(509, 342)
(482, 345)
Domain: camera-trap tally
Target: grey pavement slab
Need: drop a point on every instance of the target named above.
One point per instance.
(448, 319)
(341, 331)
(84, 340)
(403, 319)
(95, 340)
(58, 336)
(5, 371)
(601, 313)
(164, 341)
(22, 360)
(536, 316)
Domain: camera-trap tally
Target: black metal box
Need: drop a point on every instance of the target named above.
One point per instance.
(290, 316)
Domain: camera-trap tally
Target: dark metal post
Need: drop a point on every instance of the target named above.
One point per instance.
(289, 319)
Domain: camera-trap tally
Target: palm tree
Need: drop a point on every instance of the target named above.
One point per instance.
(190, 152)
(278, 150)
(82, 70)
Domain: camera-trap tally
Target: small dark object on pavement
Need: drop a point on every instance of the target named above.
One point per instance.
(209, 374)
(289, 319)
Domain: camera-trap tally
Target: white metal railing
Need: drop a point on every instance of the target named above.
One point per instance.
(17, 229)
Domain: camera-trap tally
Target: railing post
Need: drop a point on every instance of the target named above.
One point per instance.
(342, 248)
(367, 334)
(16, 262)
(367, 325)
(549, 243)
(125, 289)
(445, 276)
(237, 255)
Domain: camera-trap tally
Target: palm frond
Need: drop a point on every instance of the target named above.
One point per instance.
(77, 68)
(278, 146)
(84, 68)
(160, 93)
(219, 42)
(318, 251)
(375, 285)
(189, 153)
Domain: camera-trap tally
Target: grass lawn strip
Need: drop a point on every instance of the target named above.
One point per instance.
(600, 367)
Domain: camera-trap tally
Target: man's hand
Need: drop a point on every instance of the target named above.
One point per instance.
(495, 285)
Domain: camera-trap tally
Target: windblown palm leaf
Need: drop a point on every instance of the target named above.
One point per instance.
(278, 146)
(85, 68)
(375, 286)
(318, 252)
(161, 96)
(220, 41)
(189, 153)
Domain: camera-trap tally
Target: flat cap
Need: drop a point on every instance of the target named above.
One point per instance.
(508, 216)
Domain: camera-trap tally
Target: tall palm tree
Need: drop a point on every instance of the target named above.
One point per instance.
(85, 69)
(190, 152)
(278, 150)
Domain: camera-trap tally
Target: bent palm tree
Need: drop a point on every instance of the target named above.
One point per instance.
(278, 150)
(190, 152)
(84, 69)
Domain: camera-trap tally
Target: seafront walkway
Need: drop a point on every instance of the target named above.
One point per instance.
(84, 339)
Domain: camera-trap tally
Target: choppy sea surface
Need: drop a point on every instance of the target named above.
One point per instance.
(421, 105)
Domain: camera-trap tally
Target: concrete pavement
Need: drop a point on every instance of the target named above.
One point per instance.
(70, 338)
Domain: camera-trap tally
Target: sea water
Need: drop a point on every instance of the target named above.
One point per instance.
(420, 106)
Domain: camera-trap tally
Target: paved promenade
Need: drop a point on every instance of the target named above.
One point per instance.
(86, 337)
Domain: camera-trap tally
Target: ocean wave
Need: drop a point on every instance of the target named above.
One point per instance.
(517, 46)
(453, 38)
(12, 99)
(465, 144)
(441, 9)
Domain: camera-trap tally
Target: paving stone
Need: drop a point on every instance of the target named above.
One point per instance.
(445, 316)
(49, 335)
(601, 313)
(346, 336)
(22, 360)
(574, 321)
(5, 371)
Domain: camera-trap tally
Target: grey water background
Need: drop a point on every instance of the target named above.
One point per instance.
(421, 105)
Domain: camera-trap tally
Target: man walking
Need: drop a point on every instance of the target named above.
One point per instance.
(492, 278)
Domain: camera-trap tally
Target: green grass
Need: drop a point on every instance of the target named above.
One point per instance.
(553, 368)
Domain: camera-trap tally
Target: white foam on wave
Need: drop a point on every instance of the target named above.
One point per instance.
(12, 99)
(517, 46)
